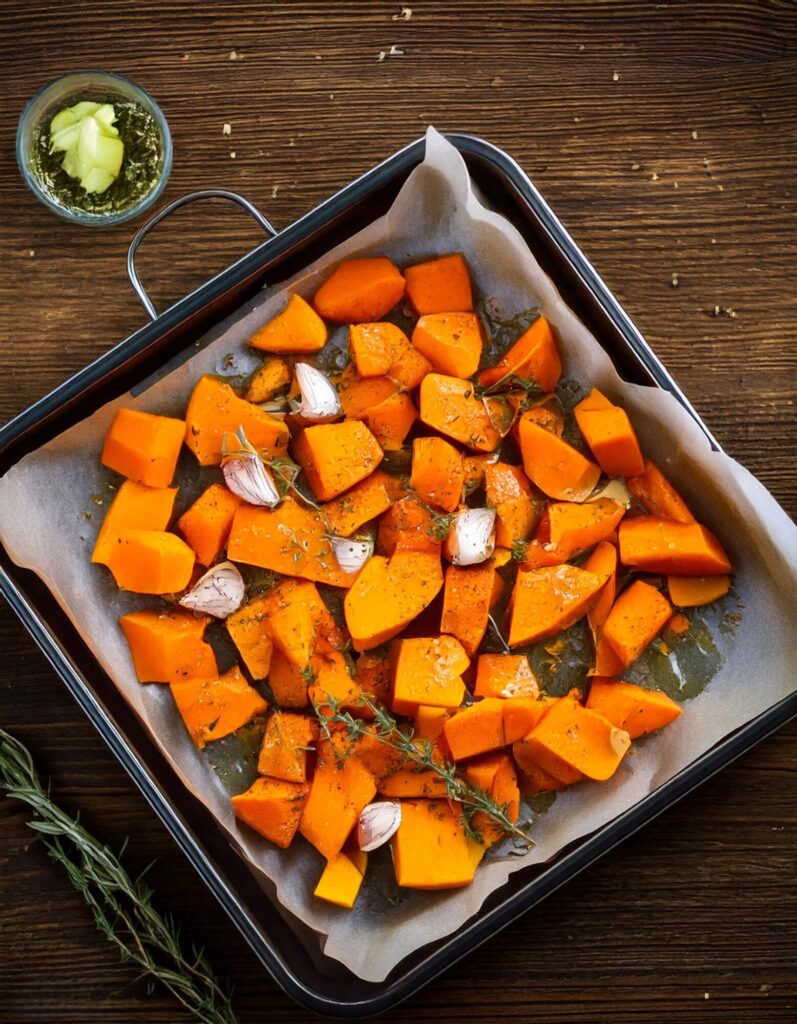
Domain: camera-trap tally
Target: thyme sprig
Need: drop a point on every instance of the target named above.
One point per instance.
(121, 906)
(420, 752)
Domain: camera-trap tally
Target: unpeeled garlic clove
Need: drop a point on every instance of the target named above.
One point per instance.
(616, 491)
(471, 538)
(351, 553)
(219, 593)
(246, 475)
(320, 401)
(377, 823)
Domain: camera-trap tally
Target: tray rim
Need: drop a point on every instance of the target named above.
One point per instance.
(484, 925)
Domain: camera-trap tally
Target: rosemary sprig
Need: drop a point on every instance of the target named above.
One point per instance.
(121, 906)
(386, 730)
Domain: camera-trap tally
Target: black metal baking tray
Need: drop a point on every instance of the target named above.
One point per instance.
(288, 950)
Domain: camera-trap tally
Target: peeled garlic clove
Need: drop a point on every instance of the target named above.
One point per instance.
(471, 538)
(352, 553)
(320, 400)
(219, 593)
(246, 476)
(377, 823)
(616, 491)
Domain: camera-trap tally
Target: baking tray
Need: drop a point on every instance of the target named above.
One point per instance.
(289, 950)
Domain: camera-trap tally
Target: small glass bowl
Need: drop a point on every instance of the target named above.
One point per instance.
(63, 92)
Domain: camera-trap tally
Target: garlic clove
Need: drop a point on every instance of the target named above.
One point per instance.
(377, 823)
(219, 593)
(471, 539)
(616, 491)
(352, 553)
(245, 473)
(320, 401)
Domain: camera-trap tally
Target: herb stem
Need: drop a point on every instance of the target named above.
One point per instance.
(386, 730)
(121, 906)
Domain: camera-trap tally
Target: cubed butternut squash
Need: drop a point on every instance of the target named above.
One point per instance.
(213, 708)
(214, 410)
(150, 562)
(467, 599)
(505, 675)
(636, 617)
(556, 467)
(677, 549)
(427, 671)
(438, 476)
(359, 290)
(298, 329)
(273, 808)
(534, 356)
(610, 435)
(452, 342)
(135, 506)
(572, 738)
(450, 405)
(289, 539)
(693, 591)
(476, 729)
(340, 882)
(429, 848)
(632, 708)
(206, 524)
(658, 495)
(143, 447)
(336, 456)
(388, 594)
(271, 377)
(440, 285)
(167, 645)
(340, 789)
(550, 599)
(286, 741)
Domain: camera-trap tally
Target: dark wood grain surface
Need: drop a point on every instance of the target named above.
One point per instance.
(665, 136)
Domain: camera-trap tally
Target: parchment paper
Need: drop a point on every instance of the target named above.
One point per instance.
(43, 501)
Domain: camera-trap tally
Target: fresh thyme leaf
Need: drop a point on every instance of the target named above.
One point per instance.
(120, 905)
(519, 549)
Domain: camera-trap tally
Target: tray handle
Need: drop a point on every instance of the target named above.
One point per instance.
(208, 193)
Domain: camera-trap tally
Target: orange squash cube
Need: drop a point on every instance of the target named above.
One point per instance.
(339, 791)
(550, 599)
(637, 616)
(298, 329)
(135, 506)
(572, 738)
(150, 562)
(476, 729)
(427, 671)
(213, 708)
(440, 286)
(631, 707)
(273, 808)
(214, 410)
(143, 447)
(505, 675)
(452, 342)
(167, 645)
(429, 848)
(336, 456)
(437, 475)
(206, 524)
(283, 752)
(340, 882)
(359, 290)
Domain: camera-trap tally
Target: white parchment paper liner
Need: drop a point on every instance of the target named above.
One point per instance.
(42, 525)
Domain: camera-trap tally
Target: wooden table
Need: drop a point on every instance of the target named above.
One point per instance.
(664, 136)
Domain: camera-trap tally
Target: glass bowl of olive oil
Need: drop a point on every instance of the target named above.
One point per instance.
(94, 147)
